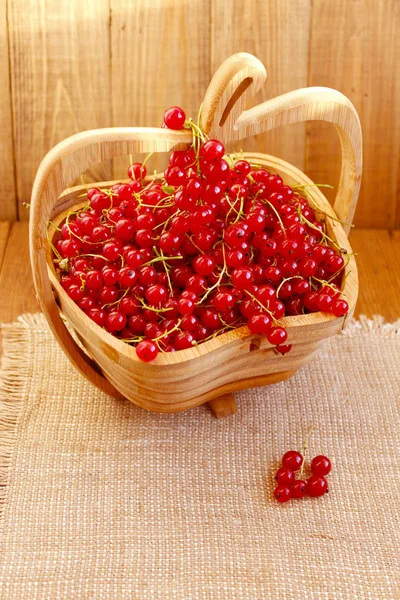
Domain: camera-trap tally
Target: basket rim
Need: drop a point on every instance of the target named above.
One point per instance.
(298, 321)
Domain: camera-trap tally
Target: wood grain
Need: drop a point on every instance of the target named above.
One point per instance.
(8, 205)
(16, 283)
(160, 58)
(4, 231)
(378, 260)
(60, 73)
(355, 47)
(278, 34)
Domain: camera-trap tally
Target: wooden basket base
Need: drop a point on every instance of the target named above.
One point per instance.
(225, 405)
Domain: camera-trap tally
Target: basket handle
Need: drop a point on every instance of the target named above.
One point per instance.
(316, 104)
(64, 163)
(233, 85)
(224, 116)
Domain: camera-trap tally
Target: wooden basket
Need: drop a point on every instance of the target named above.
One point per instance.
(236, 360)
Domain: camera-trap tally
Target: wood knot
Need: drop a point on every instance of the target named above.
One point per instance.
(109, 351)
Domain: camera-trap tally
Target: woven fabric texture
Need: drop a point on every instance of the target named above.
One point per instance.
(107, 501)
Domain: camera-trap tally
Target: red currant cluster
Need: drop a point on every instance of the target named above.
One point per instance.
(165, 263)
(289, 487)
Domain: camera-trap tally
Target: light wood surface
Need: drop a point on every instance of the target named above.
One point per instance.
(354, 47)
(4, 231)
(8, 204)
(17, 293)
(60, 75)
(160, 58)
(378, 260)
(278, 33)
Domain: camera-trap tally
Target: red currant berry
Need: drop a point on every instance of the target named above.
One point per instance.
(259, 324)
(116, 320)
(298, 488)
(94, 280)
(334, 263)
(125, 229)
(137, 171)
(292, 460)
(316, 486)
(324, 302)
(223, 301)
(321, 465)
(108, 294)
(282, 493)
(277, 336)
(284, 476)
(127, 277)
(212, 151)
(283, 349)
(183, 340)
(174, 118)
(243, 167)
(98, 315)
(204, 264)
(110, 275)
(146, 350)
(242, 278)
(339, 308)
(156, 294)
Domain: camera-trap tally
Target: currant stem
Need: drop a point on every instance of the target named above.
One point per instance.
(277, 216)
(287, 279)
(303, 449)
(223, 271)
(262, 306)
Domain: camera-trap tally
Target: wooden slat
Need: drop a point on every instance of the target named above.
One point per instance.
(4, 231)
(378, 270)
(278, 34)
(60, 71)
(355, 48)
(8, 202)
(16, 284)
(160, 58)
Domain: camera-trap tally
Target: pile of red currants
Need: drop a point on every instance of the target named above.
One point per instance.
(289, 487)
(167, 262)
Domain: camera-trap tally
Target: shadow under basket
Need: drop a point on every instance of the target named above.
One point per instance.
(213, 370)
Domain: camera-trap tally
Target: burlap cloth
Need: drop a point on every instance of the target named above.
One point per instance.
(107, 501)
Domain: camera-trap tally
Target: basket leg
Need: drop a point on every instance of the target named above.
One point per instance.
(223, 406)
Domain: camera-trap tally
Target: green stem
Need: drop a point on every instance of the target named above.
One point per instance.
(277, 215)
(287, 279)
(223, 271)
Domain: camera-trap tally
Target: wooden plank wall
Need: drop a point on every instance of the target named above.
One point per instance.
(69, 65)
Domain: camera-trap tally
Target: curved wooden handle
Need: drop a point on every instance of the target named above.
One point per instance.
(237, 80)
(64, 163)
(316, 104)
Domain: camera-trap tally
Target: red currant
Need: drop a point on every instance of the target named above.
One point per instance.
(292, 460)
(146, 350)
(316, 486)
(299, 488)
(321, 465)
(174, 118)
(282, 493)
(284, 476)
